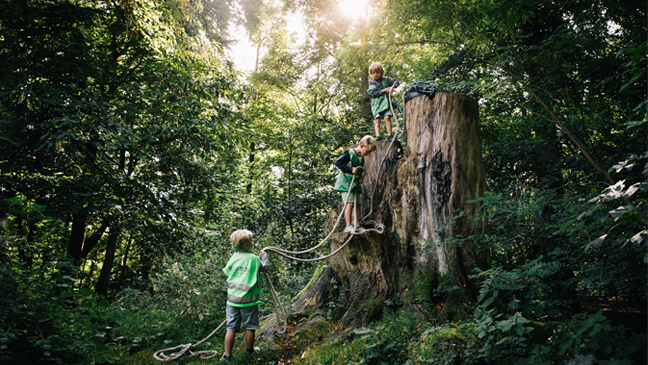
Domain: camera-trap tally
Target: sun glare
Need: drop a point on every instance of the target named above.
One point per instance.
(353, 9)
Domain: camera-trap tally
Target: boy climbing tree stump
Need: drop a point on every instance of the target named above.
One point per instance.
(418, 199)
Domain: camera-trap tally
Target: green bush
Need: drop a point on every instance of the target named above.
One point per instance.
(589, 335)
(47, 319)
(388, 343)
(187, 303)
(446, 345)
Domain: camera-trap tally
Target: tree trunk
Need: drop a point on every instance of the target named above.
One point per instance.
(422, 199)
(77, 235)
(106, 269)
(547, 162)
(365, 101)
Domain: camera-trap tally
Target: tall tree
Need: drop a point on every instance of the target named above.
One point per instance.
(110, 112)
(562, 64)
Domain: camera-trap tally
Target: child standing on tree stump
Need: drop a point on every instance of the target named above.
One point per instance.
(243, 291)
(350, 164)
(379, 89)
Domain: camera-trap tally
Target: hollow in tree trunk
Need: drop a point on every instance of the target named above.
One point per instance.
(423, 199)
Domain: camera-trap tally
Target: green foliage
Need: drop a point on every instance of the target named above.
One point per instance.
(335, 301)
(388, 344)
(446, 345)
(588, 334)
(385, 342)
(123, 114)
(615, 222)
(334, 350)
(597, 245)
(186, 303)
(47, 320)
(425, 287)
(530, 290)
(110, 118)
(500, 336)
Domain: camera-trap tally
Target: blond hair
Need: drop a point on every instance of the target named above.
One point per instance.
(240, 238)
(369, 142)
(377, 67)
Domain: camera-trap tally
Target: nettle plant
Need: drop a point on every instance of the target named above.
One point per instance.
(618, 249)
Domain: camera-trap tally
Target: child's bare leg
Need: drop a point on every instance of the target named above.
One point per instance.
(347, 213)
(388, 124)
(377, 126)
(229, 342)
(249, 340)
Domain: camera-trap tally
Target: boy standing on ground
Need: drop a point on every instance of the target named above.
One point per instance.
(379, 88)
(243, 290)
(350, 163)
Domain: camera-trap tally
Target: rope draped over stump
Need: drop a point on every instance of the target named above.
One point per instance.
(280, 312)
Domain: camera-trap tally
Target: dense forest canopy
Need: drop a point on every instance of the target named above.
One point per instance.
(131, 146)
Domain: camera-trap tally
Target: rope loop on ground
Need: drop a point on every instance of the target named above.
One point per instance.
(186, 349)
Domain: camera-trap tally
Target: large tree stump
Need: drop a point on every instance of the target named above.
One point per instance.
(441, 171)
(418, 198)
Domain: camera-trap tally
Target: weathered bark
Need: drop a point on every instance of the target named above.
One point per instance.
(418, 198)
(441, 171)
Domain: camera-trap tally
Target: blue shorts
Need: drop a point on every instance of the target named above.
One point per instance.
(383, 114)
(248, 315)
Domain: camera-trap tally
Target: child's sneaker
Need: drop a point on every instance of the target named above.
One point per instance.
(378, 138)
(349, 228)
(389, 137)
(225, 358)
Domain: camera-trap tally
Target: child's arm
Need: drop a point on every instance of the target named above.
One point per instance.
(393, 83)
(341, 163)
(265, 261)
(374, 90)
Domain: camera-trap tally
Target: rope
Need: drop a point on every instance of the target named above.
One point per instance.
(159, 355)
(379, 228)
(285, 253)
(279, 309)
(396, 131)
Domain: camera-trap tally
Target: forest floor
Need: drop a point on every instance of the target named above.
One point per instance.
(318, 340)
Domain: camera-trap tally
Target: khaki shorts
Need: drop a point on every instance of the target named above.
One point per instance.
(352, 197)
(383, 114)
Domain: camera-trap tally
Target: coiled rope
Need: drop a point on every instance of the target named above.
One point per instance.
(186, 349)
